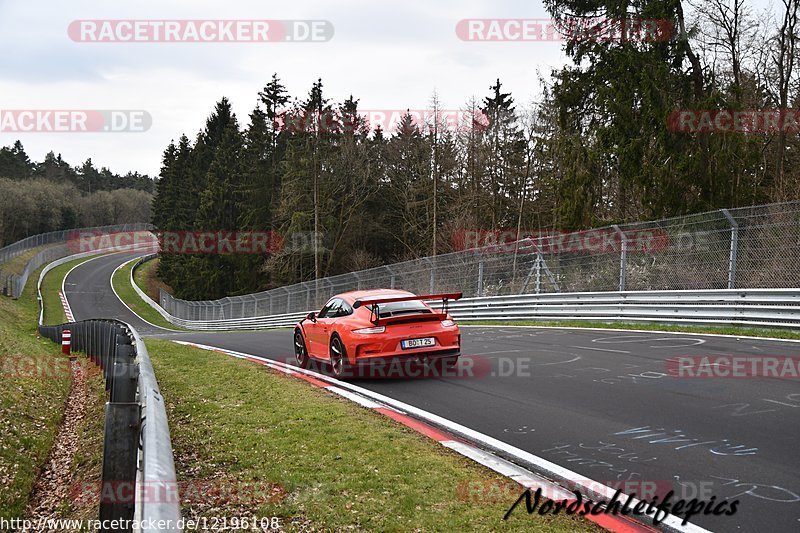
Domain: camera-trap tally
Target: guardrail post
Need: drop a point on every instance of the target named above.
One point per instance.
(734, 250)
(120, 453)
(623, 258)
(123, 387)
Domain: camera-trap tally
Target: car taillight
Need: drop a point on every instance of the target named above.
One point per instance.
(376, 329)
(448, 323)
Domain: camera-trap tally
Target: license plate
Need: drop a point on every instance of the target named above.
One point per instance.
(418, 343)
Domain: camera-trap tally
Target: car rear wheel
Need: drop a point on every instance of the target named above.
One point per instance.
(300, 352)
(340, 366)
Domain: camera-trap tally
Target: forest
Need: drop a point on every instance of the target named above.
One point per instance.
(596, 148)
(52, 195)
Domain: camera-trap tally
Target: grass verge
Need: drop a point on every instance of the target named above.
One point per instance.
(17, 264)
(35, 384)
(122, 284)
(146, 277)
(51, 286)
(319, 462)
(719, 330)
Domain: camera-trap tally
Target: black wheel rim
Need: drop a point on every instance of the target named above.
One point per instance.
(300, 349)
(336, 357)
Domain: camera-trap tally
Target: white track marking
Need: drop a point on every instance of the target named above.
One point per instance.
(592, 488)
(599, 349)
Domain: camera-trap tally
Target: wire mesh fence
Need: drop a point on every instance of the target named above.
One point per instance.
(751, 247)
(13, 283)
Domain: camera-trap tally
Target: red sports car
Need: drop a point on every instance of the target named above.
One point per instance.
(361, 331)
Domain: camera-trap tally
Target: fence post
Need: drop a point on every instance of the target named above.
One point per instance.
(480, 277)
(623, 258)
(392, 276)
(433, 274)
(734, 248)
(538, 272)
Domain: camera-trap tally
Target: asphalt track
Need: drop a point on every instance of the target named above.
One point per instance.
(600, 403)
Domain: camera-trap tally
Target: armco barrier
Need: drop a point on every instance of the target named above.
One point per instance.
(136, 444)
(743, 248)
(12, 284)
(774, 308)
(136, 408)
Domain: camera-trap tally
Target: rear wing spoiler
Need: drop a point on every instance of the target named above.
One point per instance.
(376, 301)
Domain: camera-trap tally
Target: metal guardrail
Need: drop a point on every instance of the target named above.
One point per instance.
(135, 406)
(12, 284)
(744, 248)
(774, 308)
(14, 249)
(137, 454)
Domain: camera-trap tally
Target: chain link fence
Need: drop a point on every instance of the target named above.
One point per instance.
(751, 247)
(13, 283)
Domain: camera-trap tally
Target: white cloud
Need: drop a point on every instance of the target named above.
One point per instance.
(389, 55)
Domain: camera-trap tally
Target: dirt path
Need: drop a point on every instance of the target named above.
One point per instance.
(52, 487)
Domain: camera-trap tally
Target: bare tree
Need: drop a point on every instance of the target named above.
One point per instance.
(784, 59)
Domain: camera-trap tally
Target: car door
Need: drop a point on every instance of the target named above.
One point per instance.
(320, 331)
(313, 331)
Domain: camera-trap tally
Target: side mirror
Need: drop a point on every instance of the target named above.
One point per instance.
(312, 316)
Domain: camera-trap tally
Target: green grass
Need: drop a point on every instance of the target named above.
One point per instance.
(327, 463)
(87, 464)
(51, 286)
(35, 384)
(122, 284)
(719, 330)
(17, 264)
(146, 278)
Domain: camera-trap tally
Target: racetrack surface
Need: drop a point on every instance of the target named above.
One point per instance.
(599, 403)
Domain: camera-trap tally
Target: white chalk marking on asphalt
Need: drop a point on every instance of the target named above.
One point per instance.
(627, 339)
(576, 358)
(561, 329)
(499, 351)
(600, 349)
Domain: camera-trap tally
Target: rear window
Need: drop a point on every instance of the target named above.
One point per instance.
(401, 308)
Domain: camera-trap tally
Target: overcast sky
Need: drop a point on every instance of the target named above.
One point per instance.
(390, 55)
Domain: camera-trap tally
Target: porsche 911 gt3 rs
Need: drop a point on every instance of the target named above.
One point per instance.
(357, 332)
